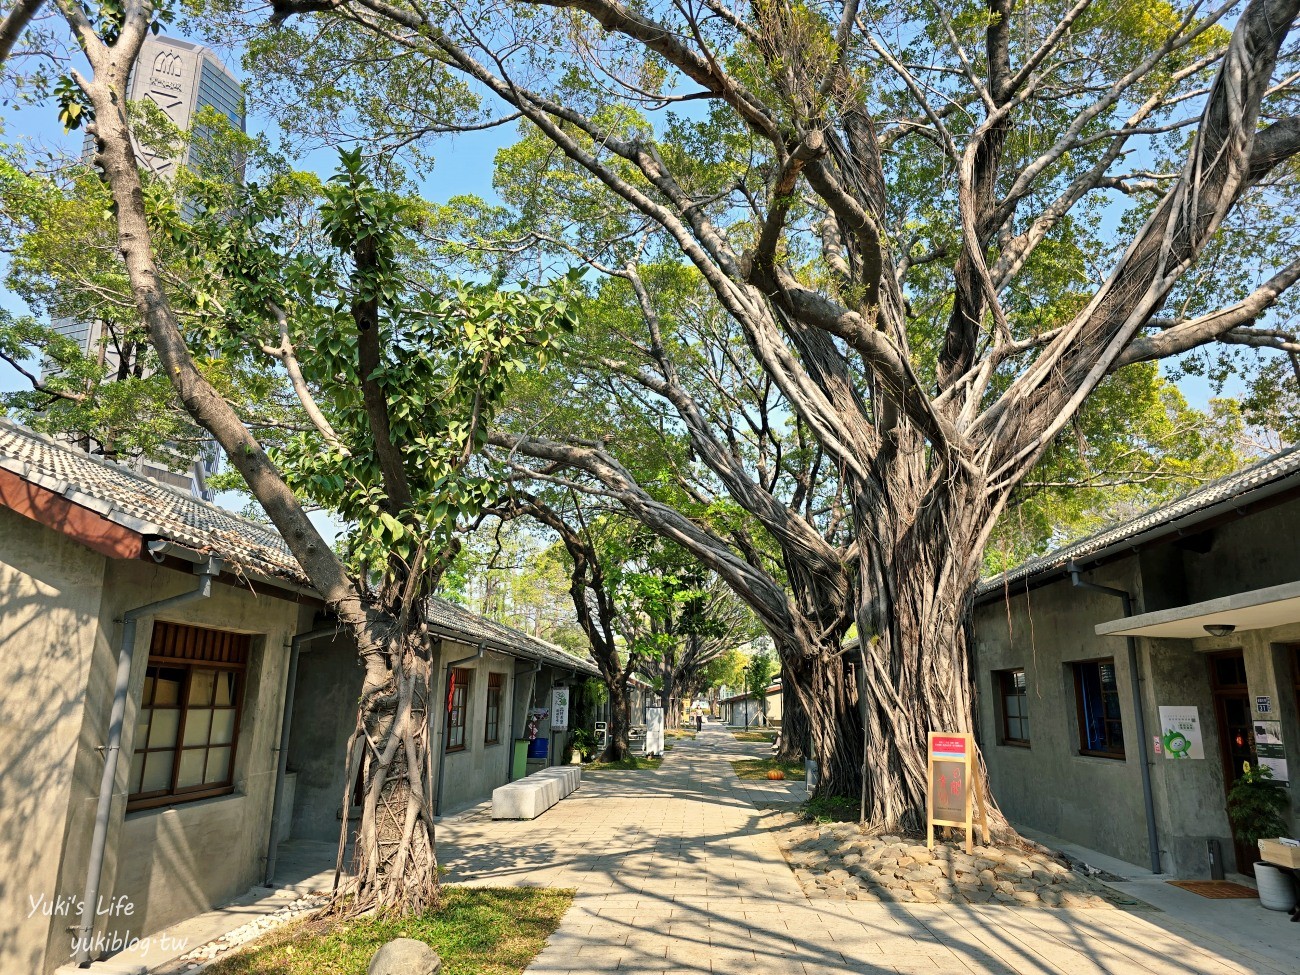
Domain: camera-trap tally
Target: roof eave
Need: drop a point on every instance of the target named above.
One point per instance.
(1275, 490)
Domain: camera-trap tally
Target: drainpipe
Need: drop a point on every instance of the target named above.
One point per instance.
(532, 673)
(207, 571)
(1153, 839)
(282, 759)
(446, 718)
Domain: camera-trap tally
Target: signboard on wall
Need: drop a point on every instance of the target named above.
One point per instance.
(954, 797)
(1180, 732)
(559, 709)
(1268, 748)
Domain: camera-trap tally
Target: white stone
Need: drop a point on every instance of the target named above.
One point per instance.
(529, 797)
(405, 956)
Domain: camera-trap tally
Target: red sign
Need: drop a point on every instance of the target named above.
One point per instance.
(948, 746)
(955, 798)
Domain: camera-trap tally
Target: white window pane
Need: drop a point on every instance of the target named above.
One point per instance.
(191, 770)
(201, 687)
(225, 689)
(141, 727)
(162, 733)
(157, 772)
(167, 688)
(197, 723)
(223, 727)
(218, 765)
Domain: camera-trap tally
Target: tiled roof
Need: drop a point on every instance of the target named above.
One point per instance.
(1271, 473)
(155, 510)
(458, 623)
(143, 505)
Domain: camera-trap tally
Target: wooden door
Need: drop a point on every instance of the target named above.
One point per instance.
(1236, 734)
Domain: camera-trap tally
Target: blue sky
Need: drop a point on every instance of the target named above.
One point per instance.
(464, 165)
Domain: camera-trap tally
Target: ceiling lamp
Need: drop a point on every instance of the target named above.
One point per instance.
(1219, 629)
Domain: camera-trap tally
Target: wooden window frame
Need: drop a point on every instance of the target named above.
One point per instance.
(458, 707)
(492, 719)
(192, 649)
(1081, 711)
(1006, 688)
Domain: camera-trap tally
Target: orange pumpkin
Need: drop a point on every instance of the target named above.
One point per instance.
(775, 774)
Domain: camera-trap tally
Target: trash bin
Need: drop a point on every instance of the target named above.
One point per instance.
(537, 747)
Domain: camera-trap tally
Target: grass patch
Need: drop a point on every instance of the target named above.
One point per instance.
(477, 931)
(679, 733)
(764, 736)
(632, 763)
(757, 768)
(831, 809)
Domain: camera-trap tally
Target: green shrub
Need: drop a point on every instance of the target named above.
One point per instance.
(1258, 806)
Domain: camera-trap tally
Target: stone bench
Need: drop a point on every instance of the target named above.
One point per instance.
(529, 797)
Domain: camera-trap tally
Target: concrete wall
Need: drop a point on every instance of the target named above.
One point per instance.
(1042, 785)
(50, 590)
(470, 775)
(1252, 552)
(324, 714)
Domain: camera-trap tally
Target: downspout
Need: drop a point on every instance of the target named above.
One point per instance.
(207, 571)
(446, 718)
(282, 758)
(1153, 839)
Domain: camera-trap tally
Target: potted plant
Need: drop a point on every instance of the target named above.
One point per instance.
(583, 743)
(1257, 807)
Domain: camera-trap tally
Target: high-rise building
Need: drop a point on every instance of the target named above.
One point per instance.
(181, 78)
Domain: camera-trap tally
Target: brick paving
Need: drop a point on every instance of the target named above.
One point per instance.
(677, 871)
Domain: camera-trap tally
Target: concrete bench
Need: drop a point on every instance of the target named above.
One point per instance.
(529, 797)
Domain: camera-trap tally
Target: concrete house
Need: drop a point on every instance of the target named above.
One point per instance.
(742, 711)
(173, 704)
(1123, 680)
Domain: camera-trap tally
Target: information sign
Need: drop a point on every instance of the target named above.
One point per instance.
(954, 795)
(559, 709)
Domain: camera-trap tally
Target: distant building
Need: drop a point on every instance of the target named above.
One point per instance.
(182, 79)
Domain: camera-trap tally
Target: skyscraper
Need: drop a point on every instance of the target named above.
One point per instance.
(181, 78)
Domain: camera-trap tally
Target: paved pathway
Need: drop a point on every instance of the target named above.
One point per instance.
(677, 873)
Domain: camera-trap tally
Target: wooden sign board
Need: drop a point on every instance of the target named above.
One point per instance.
(953, 793)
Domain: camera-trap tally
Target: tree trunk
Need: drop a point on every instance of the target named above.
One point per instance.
(918, 578)
(616, 748)
(829, 702)
(396, 867)
(394, 862)
(794, 725)
(667, 695)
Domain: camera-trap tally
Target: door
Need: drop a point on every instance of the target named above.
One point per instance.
(1236, 735)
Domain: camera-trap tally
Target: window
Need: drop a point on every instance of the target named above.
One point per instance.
(188, 723)
(1015, 707)
(457, 695)
(492, 731)
(1097, 693)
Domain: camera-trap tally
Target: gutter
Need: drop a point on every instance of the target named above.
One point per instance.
(446, 718)
(1153, 839)
(282, 758)
(207, 571)
(160, 548)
